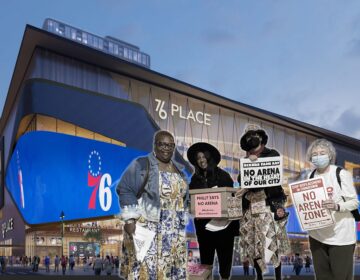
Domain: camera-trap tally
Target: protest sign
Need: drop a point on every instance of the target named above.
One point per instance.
(307, 197)
(212, 203)
(208, 205)
(261, 173)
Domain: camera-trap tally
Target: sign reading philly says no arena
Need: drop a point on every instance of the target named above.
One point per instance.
(208, 205)
(264, 172)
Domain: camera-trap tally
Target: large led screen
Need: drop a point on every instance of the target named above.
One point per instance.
(50, 172)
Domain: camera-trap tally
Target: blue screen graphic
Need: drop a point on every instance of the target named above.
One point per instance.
(51, 172)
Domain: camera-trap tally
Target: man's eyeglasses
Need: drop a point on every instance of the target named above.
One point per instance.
(163, 145)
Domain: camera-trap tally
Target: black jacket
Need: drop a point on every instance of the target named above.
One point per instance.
(218, 178)
(275, 196)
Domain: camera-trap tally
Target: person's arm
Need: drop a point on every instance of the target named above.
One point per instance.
(276, 198)
(348, 192)
(127, 191)
(192, 184)
(275, 195)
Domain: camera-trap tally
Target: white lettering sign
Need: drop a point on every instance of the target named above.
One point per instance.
(82, 229)
(178, 111)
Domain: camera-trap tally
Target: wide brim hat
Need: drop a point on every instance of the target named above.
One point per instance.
(203, 147)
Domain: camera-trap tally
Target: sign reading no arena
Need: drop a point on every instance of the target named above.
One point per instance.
(261, 173)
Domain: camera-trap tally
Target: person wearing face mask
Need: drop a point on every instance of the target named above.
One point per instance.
(153, 193)
(333, 247)
(205, 158)
(263, 235)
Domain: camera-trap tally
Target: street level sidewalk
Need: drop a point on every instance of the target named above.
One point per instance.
(237, 272)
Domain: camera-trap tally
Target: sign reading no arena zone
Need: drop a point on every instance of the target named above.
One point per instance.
(307, 197)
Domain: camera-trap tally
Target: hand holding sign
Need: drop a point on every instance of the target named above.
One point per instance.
(253, 157)
(280, 212)
(239, 193)
(329, 204)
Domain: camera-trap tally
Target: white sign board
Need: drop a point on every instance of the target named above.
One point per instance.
(307, 196)
(261, 173)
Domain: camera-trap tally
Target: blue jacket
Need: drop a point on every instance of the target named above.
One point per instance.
(148, 205)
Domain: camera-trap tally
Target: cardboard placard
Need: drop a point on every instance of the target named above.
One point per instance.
(208, 205)
(211, 202)
(199, 272)
(307, 197)
(261, 173)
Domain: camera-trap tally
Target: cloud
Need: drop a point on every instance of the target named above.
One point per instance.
(341, 120)
(348, 123)
(330, 111)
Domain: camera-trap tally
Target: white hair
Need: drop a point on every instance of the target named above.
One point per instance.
(322, 143)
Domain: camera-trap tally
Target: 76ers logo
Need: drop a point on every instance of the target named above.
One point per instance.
(101, 183)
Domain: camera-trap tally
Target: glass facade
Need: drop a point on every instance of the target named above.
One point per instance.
(48, 242)
(39, 122)
(189, 119)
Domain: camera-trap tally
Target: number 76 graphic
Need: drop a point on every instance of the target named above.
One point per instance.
(101, 185)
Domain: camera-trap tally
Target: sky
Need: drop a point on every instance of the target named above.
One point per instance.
(300, 59)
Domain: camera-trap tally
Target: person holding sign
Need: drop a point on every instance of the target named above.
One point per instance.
(263, 226)
(332, 247)
(153, 197)
(205, 158)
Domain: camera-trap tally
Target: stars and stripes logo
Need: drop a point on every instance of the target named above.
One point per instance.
(94, 163)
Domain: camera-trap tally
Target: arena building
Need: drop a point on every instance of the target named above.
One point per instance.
(77, 113)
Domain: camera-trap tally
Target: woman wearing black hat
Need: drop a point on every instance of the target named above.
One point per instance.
(263, 235)
(205, 158)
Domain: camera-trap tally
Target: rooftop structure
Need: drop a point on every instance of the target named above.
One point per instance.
(108, 44)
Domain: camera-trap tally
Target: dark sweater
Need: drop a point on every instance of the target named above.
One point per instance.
(218, 178)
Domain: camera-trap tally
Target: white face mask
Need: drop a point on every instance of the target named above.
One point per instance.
(320, 161)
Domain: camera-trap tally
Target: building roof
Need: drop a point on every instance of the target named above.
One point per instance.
(37, 38)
